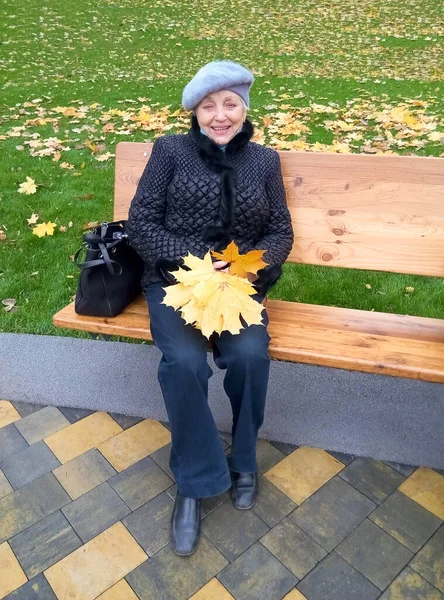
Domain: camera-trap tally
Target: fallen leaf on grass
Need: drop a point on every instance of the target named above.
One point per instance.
(9, 304)
(105, 156)
(66, 165)
(86, 196)
(34, 218)
(44, 229)
(28, 187)
(2, 235)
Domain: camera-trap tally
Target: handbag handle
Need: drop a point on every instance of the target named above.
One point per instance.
(91, 238)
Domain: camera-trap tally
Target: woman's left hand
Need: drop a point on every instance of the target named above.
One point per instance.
(252, 277)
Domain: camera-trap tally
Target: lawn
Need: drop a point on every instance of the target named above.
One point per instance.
(77, 78)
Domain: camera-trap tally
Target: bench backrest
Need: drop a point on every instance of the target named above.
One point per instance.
(378, 212)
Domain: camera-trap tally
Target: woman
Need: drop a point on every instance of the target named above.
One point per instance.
(199, 191)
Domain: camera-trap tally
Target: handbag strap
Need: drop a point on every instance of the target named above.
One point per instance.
(100, 261)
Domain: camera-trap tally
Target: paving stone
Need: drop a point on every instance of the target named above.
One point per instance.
(44, 543)
(162, 458)
(140, 483)
(83, 435)
(36, 589)
(95, 511)
(231, 530)
(284, 448)
(24, 507)
(293, 547)
(257, 575)
(5, 486)
(208, 505)
(405, 470)
(429, 562)
(129, 446)
(150, 524)
(373, 478)
(272, 505)
(345, 459)
(411, 586)
(97, 565)
(125, 421)
(405, 520)
(303, 472)
(213, 590)
(332, 512)
(119, 591)
(28, 464)
(226, 437)
(294, 594)
(75, 414)
(83, 473)
(267, 456)
(166, 576)
(426, 487)
(8, 414)
(12, 575)
(26, 408)
(374, 553)
(11, 441)
(335, 579)
(41, 423)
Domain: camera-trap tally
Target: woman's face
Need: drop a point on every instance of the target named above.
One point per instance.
(220, 114)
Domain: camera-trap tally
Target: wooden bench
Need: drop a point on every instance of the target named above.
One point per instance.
(374, 212)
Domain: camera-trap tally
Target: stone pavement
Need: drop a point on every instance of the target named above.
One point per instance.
(86, 500)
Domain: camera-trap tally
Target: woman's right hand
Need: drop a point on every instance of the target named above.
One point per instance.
(221, 265)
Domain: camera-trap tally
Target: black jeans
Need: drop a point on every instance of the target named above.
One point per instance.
(197, 459)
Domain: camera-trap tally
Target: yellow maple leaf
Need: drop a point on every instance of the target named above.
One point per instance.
(241, 264)
(34, 218)
(44, 229)
(28, 187)
(212, 301)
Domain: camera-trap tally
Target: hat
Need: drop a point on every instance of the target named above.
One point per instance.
(218, 75)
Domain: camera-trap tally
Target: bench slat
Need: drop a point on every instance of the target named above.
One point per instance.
(397, 345)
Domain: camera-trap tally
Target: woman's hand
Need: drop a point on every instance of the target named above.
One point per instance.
(252, 277)
(221, 265)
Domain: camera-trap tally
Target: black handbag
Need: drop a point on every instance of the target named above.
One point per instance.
(110, 276)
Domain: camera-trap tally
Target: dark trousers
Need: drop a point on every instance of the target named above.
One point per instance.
(197, 459)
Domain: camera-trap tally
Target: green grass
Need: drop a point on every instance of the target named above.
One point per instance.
(353, 57)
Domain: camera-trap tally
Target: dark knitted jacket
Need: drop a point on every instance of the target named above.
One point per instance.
(192, 196)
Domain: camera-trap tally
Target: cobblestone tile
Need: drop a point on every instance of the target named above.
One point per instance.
(405, 520)
(150, 524)
(213, 590)
(26, 506)
(8, 414)
(11, 441)
(373, 478)
(162, 458)
(345, 459)
(40, 424)
(208, 505)
(28, 464)
(411, 586)
(125, 421)
(12, 573)
(272, 505)
(303, 472)
(95, 511)
(81, 436)
(426, 487)
(83, 473)
(232, 531)
(25, 408)
(335, 579)
(267, 456)
(257, 575)
(429, 562)
(75, 414)
(44, 543)
(166, 576)
(96, 566)
(284, 448)
(293, 547)
(35, 589)
(405, 470)
(129, 446)
(5, 486)
(374, 553)
(332, 512)
(119, 591)
(140, 483)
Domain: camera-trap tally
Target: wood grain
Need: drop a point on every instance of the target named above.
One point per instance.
(382, 213)
(397, 345)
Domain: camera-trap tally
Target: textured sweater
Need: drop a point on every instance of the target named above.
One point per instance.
(190, 187)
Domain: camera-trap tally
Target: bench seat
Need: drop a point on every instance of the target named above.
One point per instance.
(357, 340)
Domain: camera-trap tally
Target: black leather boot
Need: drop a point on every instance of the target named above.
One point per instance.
(185, 525)
(245, 487)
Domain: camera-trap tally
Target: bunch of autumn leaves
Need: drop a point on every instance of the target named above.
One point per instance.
(213, 301)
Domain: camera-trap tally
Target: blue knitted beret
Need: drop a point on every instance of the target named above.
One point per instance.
(218, 75)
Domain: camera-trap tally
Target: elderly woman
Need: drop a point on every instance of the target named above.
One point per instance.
(199, 191)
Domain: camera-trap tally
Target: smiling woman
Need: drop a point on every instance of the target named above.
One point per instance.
(221, 115)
